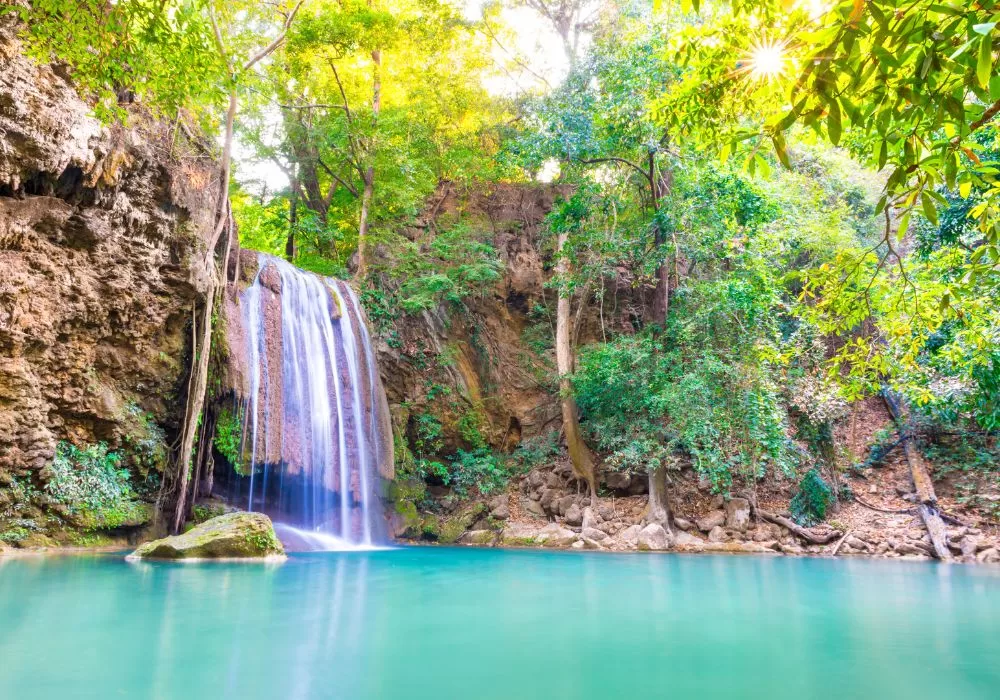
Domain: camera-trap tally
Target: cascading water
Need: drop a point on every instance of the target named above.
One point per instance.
(315, 419)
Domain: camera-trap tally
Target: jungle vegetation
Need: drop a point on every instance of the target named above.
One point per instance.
(808, 189)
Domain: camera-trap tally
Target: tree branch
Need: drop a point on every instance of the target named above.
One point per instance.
(623, 161)
(267, 50)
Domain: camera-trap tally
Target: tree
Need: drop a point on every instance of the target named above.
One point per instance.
(355, 161)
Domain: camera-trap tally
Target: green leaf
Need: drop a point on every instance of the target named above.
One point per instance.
(904, 224)
(930, 210)
(833, 124)
(984, 67)
(965, 189)
(779, 147)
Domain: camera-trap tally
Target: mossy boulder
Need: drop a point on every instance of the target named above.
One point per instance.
(456, 526)
(231, 536)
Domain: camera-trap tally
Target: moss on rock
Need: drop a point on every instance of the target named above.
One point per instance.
(231, 536)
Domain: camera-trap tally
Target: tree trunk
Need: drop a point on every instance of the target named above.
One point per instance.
(195, 403)
(366, 198)
(293, 220)
(583, 463)
(658, 510)
(369, 191)
(200, 354)
(922, 484)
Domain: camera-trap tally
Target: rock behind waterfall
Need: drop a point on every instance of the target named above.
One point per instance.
(231, 536)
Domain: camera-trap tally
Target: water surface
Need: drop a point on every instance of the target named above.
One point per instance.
(482, 624)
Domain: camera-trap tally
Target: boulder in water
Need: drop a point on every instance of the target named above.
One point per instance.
(231, 536)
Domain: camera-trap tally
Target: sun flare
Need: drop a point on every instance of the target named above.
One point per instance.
(767, 60)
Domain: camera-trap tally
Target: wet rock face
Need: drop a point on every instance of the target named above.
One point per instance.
(102, 233)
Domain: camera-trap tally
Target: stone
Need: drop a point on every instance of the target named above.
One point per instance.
(553, 480)
(718, 501)
(589, 519)
(687, 542)
(857, 543)
(630, 535)
(591, 544)
(968, 545)
(713, 519)
(518, 534)
(988, 556)
(593, 534)
(908, 548)
(791, 549)
(574, 516)
(653, 538)
(534, 508)
(554, 535)
(548, 498)
(682, 524)
(501, 512)
(579, 544)
(617, 481)
(717, 534)
(478, 537)
(535, 478)
(230, 536)
(606, 513)
(738, 514)
(563, 504)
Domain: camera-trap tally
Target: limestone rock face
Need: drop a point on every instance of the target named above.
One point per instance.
(102, 238)
(231, 536)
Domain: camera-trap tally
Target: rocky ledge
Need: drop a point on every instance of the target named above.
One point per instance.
(231, 536)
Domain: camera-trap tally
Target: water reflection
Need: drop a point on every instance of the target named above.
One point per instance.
(488, 624)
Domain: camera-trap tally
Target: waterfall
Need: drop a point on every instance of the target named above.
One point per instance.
(316, 432)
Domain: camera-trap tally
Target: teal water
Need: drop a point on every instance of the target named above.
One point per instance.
(482, 624)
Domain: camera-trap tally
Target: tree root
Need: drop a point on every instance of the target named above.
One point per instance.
(808, 535)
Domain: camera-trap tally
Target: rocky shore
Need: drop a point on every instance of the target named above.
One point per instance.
(545, 509)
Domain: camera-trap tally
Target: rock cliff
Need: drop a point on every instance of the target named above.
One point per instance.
(99, 233)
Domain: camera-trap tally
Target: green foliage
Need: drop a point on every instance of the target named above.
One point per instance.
(808, 506)
(481, 469)
(228, 440)
(13, 535)
(92, 483)
(162, 52)
(538, 451)
(89, 477)
(145, 442)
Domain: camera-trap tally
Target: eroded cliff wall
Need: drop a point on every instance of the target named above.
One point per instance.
(102, 233)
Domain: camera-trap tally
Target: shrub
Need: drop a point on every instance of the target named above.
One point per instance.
(810, 504)
(92, 483)
(480, 468)
(228, 440)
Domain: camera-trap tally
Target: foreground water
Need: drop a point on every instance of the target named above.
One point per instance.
(460, 623)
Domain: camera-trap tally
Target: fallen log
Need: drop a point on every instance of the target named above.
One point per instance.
(928, 509)
(840, 544)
